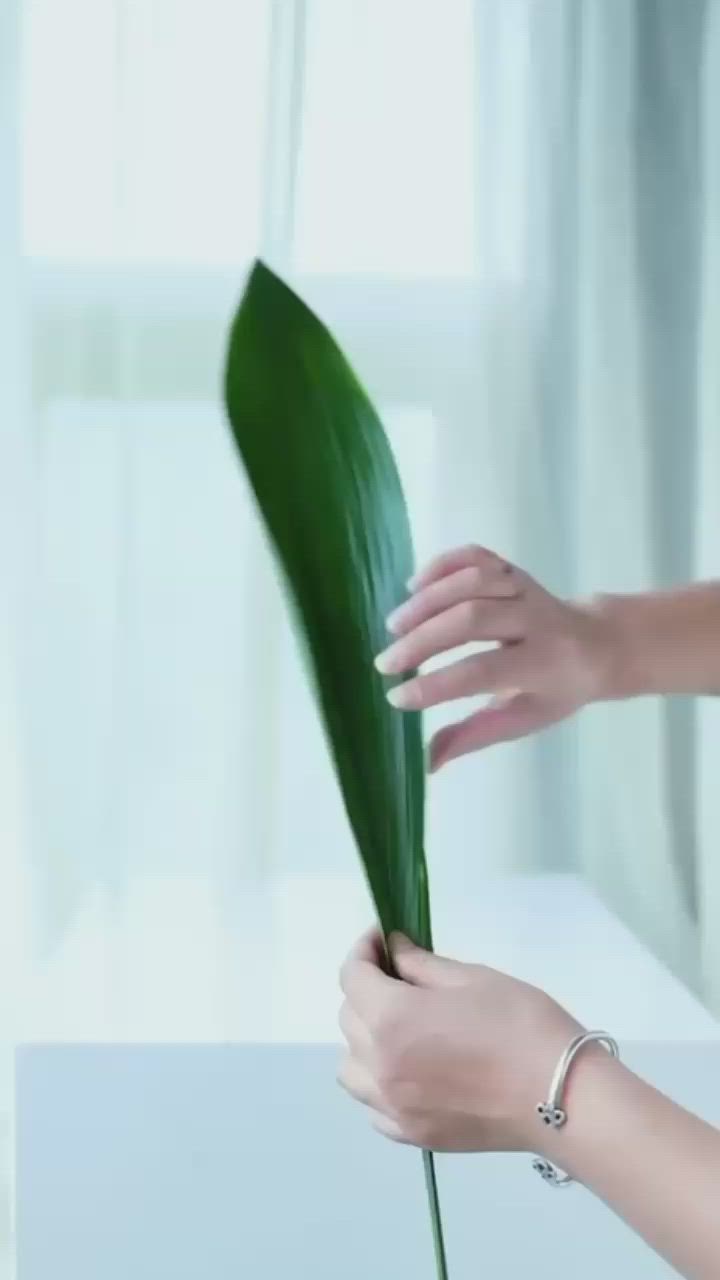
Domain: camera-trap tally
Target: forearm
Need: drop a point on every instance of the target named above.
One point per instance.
(662, 642)
(656, 1165)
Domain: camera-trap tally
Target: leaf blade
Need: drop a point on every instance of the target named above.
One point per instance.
(320, 479)
(329, 493)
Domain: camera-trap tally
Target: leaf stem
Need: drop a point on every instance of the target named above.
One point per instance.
(435, 1219)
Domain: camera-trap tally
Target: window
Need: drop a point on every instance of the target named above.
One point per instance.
(165, 143)
(144, 129)
(381, 189)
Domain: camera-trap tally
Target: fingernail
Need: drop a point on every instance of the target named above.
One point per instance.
(399, 942)
(386, 662)
(411, 583)
(400, 697)
(392, 620)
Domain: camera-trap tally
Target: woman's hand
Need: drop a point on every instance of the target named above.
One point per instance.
(552, 657)
(455, 1057)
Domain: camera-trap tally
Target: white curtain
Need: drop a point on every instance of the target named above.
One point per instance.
(646, 416)
(508, 211)
(707, 531)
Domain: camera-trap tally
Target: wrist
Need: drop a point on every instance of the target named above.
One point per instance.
(621, 650)
(656, 642)
(593, 1086)
(551, 1035)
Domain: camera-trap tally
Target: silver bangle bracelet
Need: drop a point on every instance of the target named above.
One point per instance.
(552, 1113)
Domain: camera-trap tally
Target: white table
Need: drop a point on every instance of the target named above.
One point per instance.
(226, 1150)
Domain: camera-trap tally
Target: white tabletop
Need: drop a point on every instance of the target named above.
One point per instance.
(171, 1162)
(177, 1159)
(177, 965)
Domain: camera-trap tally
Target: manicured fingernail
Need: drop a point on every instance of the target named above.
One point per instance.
(400, 697)
(392, 620)
(411, 583)
(386, 662)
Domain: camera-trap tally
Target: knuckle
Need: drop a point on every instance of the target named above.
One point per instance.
(485, 560)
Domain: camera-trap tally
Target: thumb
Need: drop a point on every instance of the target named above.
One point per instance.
(502, 720)
(423, 968)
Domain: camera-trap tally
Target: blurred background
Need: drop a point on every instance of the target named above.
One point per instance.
(509, 213)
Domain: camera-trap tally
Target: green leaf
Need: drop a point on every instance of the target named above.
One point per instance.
(330, 496)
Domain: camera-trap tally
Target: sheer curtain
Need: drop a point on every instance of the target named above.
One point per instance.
(707, 543)
(507, 210)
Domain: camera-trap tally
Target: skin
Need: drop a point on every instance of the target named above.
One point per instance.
(551, 656)
(455, 1057)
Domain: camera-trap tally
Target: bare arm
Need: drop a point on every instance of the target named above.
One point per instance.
(663, 641)
(656, 1165)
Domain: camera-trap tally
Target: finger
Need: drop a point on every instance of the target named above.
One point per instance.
(362, 978)
(505, 721)
(388, 1128)
(465, 622)
(490, 672)
(370, 946)
(354, 1030)
(423, 968)
(470, 556)
(473, 583)
(356, 1080)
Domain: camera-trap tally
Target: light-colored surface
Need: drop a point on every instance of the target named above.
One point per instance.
(175, 966)
(179, 1160)
(181, 1163)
